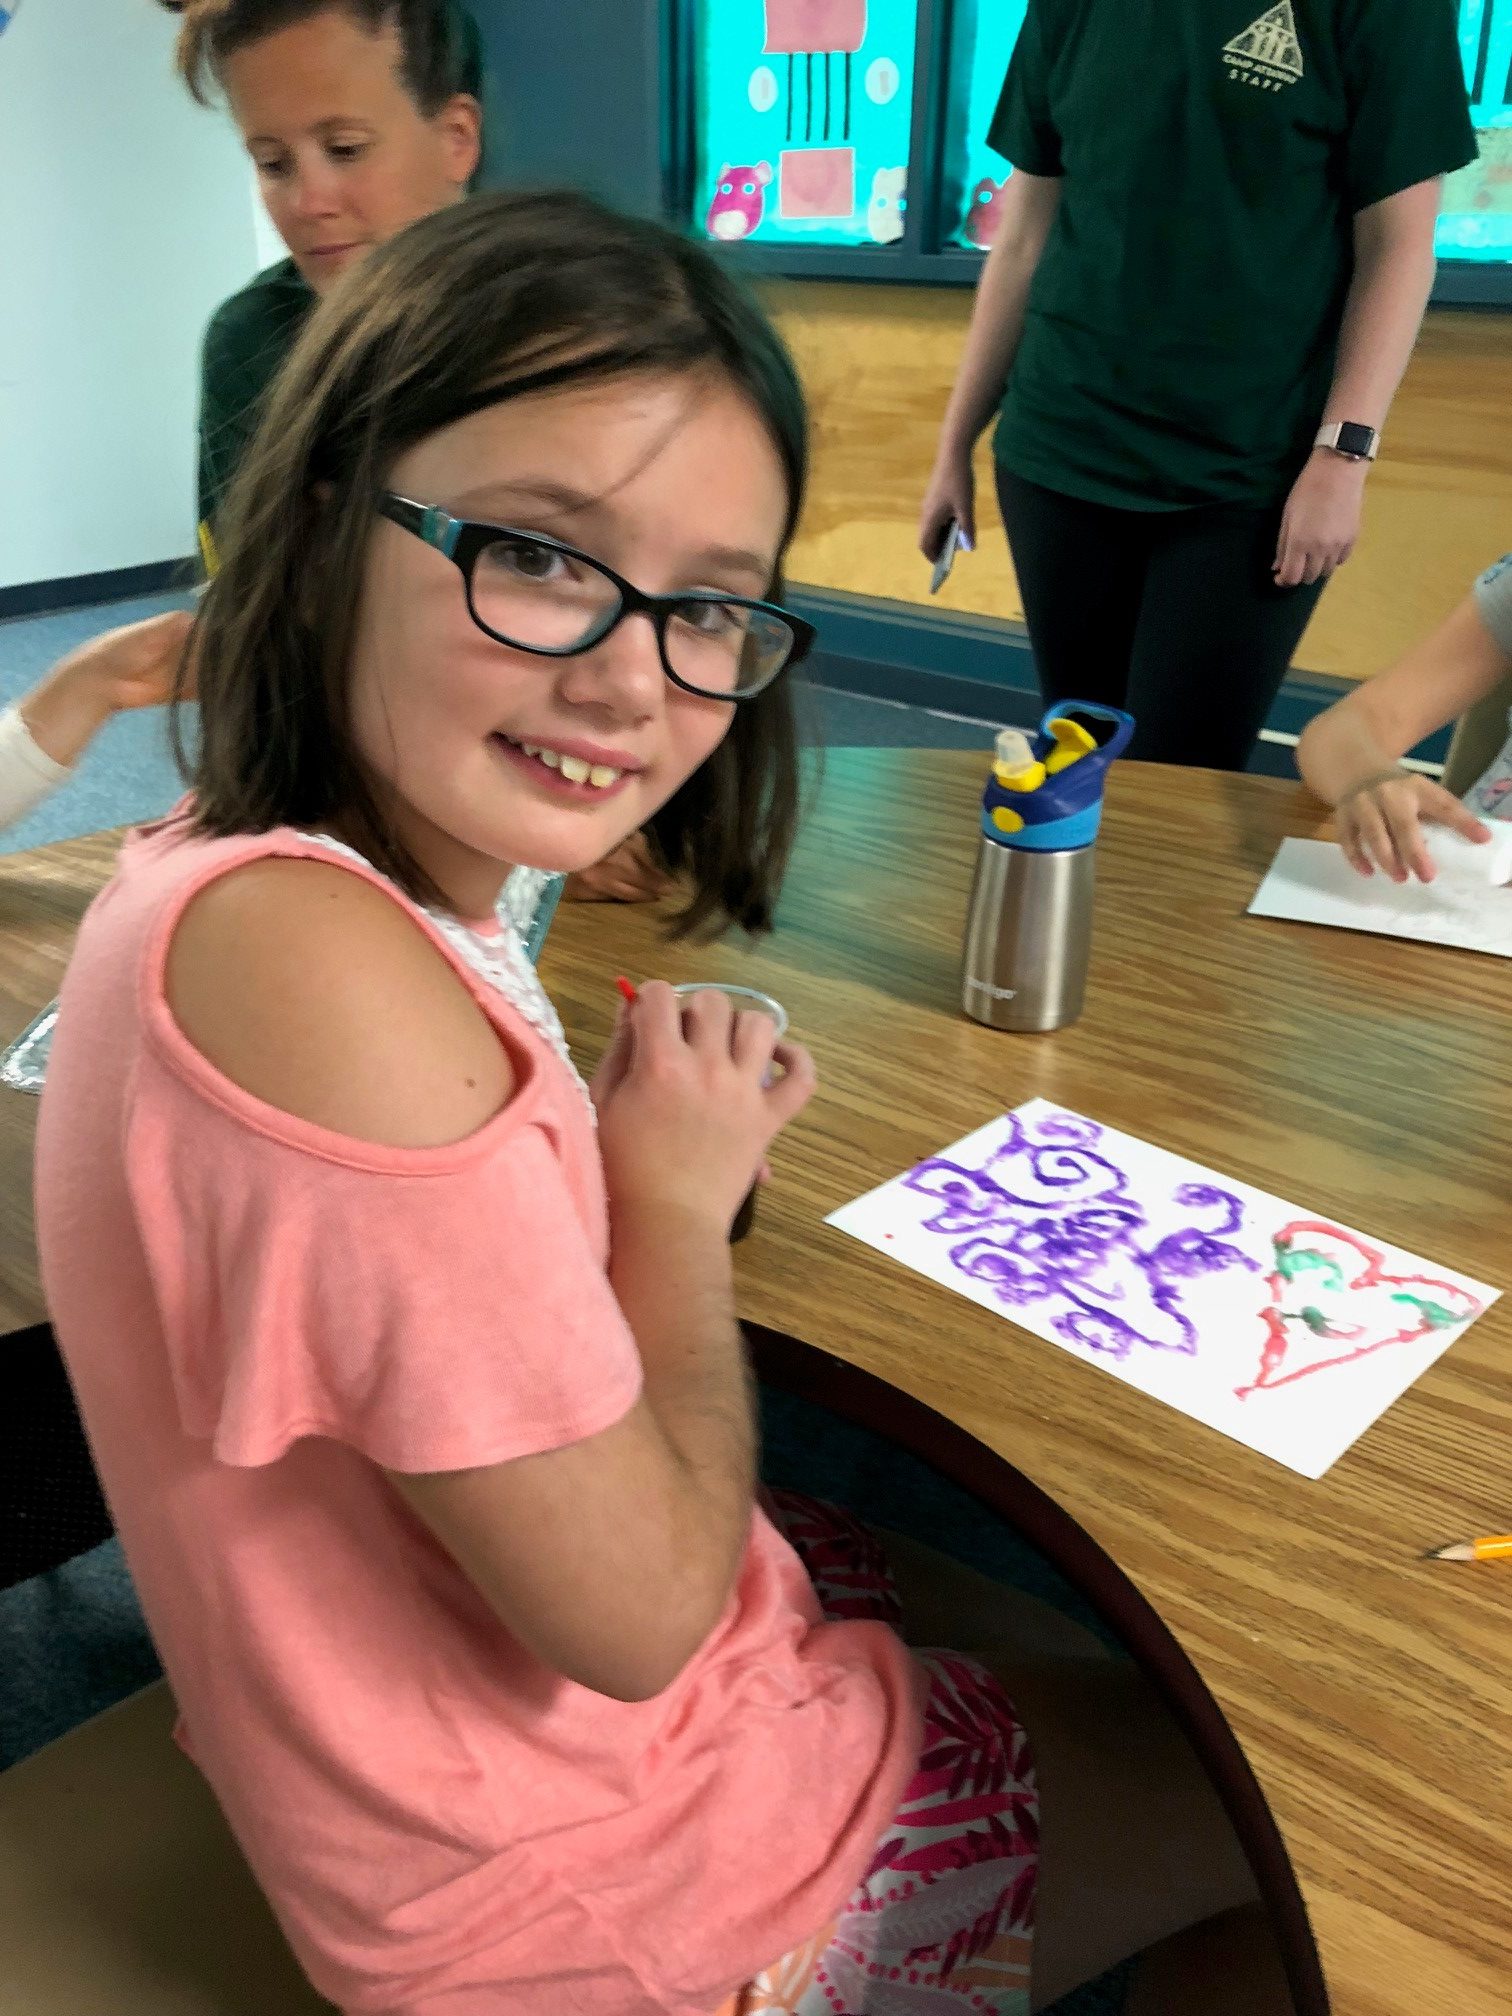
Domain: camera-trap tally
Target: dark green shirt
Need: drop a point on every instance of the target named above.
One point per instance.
(1183, 324)
(248, 339)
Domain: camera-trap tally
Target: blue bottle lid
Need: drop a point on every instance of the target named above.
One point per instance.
(1056, 802)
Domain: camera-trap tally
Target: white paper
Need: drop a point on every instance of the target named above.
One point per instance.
(1270, 1323)
(1311, 882)
(1477, 864)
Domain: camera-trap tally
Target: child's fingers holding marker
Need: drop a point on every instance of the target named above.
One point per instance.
(708, 1018)
(696, 1106)
(655, 1018)
(615, 1061)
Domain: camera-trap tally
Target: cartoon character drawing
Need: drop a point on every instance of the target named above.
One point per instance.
(986, 212)
(889, 200)
(822, 28)
(739, 201)
(817, 183)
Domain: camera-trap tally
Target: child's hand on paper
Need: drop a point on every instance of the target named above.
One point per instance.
(1380, 824)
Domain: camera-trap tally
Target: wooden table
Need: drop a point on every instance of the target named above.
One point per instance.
(1367, 1079)
(43, 895)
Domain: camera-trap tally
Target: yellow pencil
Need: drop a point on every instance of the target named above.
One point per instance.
(1497, 1548)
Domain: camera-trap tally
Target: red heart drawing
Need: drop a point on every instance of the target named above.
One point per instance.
(1421, 1304)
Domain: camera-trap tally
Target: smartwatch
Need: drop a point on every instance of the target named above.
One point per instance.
(1350, 439)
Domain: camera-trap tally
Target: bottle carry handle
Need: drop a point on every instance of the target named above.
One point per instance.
(1120, 725)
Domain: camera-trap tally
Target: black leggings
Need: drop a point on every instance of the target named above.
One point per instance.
(1171, 614)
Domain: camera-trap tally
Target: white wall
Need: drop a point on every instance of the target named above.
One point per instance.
(124, 220)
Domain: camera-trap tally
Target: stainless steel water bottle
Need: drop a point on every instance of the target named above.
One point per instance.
(1029, 926)
(1028, 936)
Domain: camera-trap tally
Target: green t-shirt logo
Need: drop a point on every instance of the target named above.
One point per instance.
(1268, 55)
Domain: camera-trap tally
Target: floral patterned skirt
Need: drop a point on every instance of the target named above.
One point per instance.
(943, 1921)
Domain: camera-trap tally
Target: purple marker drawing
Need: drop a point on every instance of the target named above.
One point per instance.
(1283, 1330)
(1048, 1220)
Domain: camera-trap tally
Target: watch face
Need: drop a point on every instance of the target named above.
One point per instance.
(1356, 440)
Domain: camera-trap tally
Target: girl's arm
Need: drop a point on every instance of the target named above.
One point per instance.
(1395, 266)
(1393, 278)
(1350, 755)
(613, 1558)
(49, 730)
(1030, 203)
(27, 773)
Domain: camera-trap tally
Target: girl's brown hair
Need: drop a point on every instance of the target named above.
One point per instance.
(482, 303)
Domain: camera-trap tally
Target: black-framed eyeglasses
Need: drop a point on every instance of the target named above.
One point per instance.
(536, 594)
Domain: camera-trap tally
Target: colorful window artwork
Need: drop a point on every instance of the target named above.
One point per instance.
(975, 177)
(804, 116)
(1476, 223)
(1477, 216)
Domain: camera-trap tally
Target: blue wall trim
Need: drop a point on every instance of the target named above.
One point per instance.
(959, 664)
(942, 659)
(982, 667)
(82, 591)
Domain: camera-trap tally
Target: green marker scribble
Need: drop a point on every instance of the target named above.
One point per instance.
(1317, 1322)
(1434, 1314)
(1295, 1260)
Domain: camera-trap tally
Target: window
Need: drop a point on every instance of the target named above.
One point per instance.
(804, 117)
(806, 113)
(1477, 217)
(974, 176)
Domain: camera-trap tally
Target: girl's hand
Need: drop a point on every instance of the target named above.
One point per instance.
(685, 1113)
(951, 494)
(1321, 524)
(138, 665)
(127, 668)
(1379, 824)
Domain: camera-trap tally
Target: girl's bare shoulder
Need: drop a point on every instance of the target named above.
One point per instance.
(318, 993)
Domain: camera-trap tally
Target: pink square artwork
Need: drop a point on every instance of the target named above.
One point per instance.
(815, 27)
(817, 182)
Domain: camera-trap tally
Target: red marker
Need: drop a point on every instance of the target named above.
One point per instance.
(628, 989)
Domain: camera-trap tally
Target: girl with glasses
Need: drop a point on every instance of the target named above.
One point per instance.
(409, 1360)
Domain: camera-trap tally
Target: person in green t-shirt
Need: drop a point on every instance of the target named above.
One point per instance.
(1214, 257)
(360, 116)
